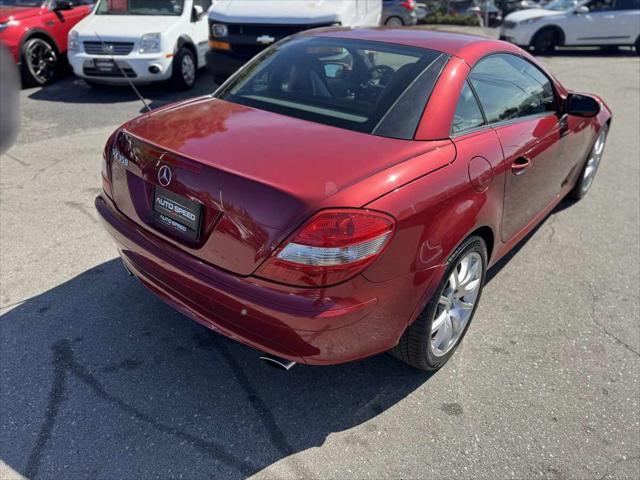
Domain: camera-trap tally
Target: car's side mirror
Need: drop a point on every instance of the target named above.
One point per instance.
(581, 9)
(582, 105)
(60, 5)
(197, 13)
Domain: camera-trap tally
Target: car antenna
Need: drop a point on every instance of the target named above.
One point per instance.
(104, 49)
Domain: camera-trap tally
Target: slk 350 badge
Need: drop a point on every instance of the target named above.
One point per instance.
(119, 157)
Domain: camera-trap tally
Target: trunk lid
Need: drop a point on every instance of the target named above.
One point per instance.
(258, 175)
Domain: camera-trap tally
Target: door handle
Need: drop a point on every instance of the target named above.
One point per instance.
(520, 165)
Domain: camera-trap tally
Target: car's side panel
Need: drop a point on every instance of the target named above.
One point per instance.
(59, 23)
(528, 191)
(436, 212)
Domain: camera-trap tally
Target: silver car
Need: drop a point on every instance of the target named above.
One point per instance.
(396, 13)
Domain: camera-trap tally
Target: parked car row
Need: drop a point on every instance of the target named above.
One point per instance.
(143, 41)
(568, 23)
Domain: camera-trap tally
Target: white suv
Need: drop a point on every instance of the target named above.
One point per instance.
(571, 23)
(142, 40)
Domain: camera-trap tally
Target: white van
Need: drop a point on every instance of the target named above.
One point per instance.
(144, 40)
(239, 29)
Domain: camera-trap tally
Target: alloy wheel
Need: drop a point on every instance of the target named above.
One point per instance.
(456, 303)
(41, 60)
(593, 162)
(188, 69)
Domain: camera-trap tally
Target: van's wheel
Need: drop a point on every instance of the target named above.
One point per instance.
(184, 69)
(430, 341)
(585, 180)
(39, 62)
(638, 46)
(394, 22)
(545, 41)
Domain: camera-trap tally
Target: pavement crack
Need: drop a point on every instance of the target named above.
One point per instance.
(278, 439)
(618, 340)
(550, 224)
(615, 464)
(17, 160)
(65, 365)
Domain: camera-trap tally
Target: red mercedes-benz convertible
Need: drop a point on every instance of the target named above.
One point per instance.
(345, 192)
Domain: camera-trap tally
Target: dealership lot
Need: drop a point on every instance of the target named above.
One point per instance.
(100, 379)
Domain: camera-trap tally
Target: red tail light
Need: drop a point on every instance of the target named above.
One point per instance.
(333, 246)
(409, 5)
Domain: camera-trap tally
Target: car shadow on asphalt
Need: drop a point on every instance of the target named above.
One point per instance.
(101, 379)
(71, 89)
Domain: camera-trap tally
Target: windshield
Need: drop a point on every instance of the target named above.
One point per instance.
(21, 3)
(561, 5)
(140, 7)
(366, 86)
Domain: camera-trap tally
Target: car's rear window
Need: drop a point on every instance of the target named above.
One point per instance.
(366, 86)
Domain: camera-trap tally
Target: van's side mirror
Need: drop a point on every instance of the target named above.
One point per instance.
(197, 13)
(582, 105)
(581, 9)
(59, 5)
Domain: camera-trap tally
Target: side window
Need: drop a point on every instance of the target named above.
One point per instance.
(600, 5)
(78, 3)
(510, 87)
(468, 114)
(627, 5)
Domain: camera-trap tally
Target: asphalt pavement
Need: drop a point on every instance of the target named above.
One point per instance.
(99, 379)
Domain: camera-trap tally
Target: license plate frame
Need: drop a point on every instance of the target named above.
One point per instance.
(104, 65)
(177, 213)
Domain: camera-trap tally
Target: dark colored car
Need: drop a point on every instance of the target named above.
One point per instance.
(396, 13)
(344, 194)
(35, 31)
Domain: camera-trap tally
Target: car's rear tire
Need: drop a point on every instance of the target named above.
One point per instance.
(590, 168)
(638, 46)
(431, 340)
(39, 62)
(184, 69)
(394, 22)
(545, 41)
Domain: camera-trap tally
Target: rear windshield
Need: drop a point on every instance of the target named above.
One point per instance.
(140, 7)
(366, 86)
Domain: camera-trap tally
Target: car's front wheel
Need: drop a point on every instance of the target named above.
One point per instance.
(545, 41)
(432, 339)
(39, 62)
(184, 69)
(590, 168)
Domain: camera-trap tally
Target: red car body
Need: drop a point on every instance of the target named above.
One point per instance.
(261, 175)
(25, 22)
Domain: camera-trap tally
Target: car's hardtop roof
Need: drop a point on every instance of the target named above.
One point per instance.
(467, 47)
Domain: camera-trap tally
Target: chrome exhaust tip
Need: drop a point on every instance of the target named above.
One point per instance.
(277, 362)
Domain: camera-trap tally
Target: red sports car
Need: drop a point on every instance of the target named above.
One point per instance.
(345, 192)
(35, 31)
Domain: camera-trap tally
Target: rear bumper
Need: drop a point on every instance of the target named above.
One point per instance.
(314, 326)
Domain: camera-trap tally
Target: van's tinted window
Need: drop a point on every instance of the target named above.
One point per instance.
(510, 87)
(468, 114)
(346, 83)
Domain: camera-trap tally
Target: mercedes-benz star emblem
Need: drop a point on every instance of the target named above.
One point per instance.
(164, 175)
